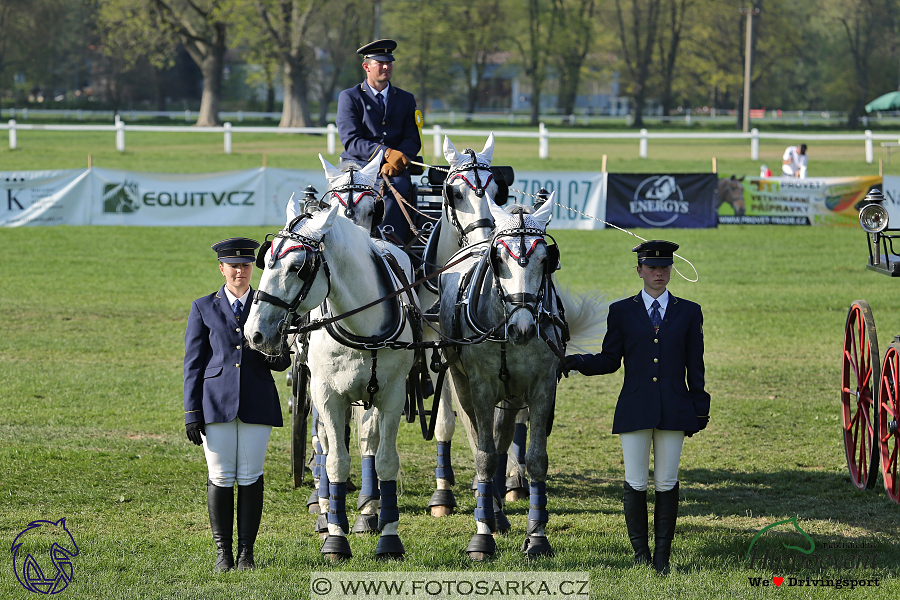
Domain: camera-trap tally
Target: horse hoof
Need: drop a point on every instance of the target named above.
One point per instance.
(481, 547)
(322, 524)
(312, 503)
(336, 547)
(442, 511)
(366, 524)
(516, 495)
(503, 524)
(442, 503)
(389, 547)
(536, 545)
(351, 487)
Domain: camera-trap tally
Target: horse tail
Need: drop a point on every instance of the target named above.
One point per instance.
(586, 316)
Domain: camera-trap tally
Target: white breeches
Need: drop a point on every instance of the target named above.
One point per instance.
(235, 450)
(666, 456)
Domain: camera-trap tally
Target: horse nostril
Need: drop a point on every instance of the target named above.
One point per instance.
(257, 338)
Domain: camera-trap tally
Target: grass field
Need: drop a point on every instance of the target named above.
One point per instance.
(91, 424)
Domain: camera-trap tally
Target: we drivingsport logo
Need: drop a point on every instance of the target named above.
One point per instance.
(788, 557)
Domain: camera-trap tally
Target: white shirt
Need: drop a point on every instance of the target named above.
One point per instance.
(231, 297)
(663, 302)
(792, 153)
(383, 93)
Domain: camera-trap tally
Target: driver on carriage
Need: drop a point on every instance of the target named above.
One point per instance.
(376, 116)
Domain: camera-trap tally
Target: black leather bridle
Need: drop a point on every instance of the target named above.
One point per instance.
(473, 164)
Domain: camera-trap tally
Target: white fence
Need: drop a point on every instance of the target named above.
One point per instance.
(543, 135)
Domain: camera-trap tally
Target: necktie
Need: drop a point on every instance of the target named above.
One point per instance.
(655, 317)
(236, 309)
(380, 102)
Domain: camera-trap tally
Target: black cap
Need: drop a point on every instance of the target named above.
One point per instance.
(381, 50)
(236, 250)
(655, 253)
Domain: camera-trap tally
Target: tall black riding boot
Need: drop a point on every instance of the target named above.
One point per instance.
(249, 514)
(635, 503)
(220, 503)
(664, 517)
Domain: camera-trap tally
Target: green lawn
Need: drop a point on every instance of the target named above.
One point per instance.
(91, 426)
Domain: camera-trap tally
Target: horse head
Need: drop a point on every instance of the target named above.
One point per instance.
(469, 182)
(352, 186)
(36, 541)
(296, 278)
(731, 190)
(521, 261)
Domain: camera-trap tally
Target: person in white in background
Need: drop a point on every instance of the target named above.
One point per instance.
(793, 163)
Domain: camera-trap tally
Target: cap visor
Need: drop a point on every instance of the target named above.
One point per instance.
(381, 57)
(238, 259)
(656, 262)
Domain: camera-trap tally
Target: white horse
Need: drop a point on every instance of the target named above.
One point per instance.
(329, 261)
(465, 221)
(509, 293)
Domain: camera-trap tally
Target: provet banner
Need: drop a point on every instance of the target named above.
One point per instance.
(662, 201)
(44, 198)
(791, 201)
(582, 196)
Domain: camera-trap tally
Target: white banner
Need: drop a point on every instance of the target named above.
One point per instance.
(129, 198)
(252, 197)
(890, 187)
(44, 198)
(584, 192)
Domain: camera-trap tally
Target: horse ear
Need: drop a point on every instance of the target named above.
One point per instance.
(370, 171)
(331, 172)
(450, 152)
(322, 221)
(293, 208)
(545, 212)
(498, 213)
(488, 152)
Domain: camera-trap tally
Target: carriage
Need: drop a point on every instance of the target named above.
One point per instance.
(870, 387)
(429, 201)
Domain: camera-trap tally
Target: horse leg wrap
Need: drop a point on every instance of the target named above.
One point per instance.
(337, 505)
(369, 490)
(520, 438)
(500, 478)
(537, 509)
(320, 461)
(323, 480)
(444, 469)
(389, 511)
(484, 504)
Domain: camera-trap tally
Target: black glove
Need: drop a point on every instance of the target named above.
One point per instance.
(563, 368)
(193, 432)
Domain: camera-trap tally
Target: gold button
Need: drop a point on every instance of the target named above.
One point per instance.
(654, 379)
(238, 329)
(655, 360)
(382, 122)
(655, 341)
(238, 348)
(237, 365)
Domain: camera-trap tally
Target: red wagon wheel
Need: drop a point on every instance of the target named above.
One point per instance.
(860, 374)
(888, 409)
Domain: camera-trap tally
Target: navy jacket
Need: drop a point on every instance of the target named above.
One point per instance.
(364, 130)
(657, 365)
(223, 378)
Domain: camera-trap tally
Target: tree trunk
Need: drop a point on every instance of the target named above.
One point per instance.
(535, 101)
(295, 112)
(639, 102)
(211, 68)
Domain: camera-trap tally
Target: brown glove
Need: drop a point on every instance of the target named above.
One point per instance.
(395, 162)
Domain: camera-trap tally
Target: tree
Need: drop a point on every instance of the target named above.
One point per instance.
(475, 44)
(637, 39)
(286, 23)
(201, 26)
(540, 22)
(338, 28)
(669, 42)
(576, 18)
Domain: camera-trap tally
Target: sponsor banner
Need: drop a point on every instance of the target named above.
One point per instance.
(890, 187)
(281, 183)
(44, 198)
(788, 201)
(129, 198)
(583, 192)
(682, 200)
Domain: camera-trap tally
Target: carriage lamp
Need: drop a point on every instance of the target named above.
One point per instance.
(542, 196)
(873, 218)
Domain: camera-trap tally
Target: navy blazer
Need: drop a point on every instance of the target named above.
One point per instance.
(364, 130)
(657, 364)
(223, 378)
